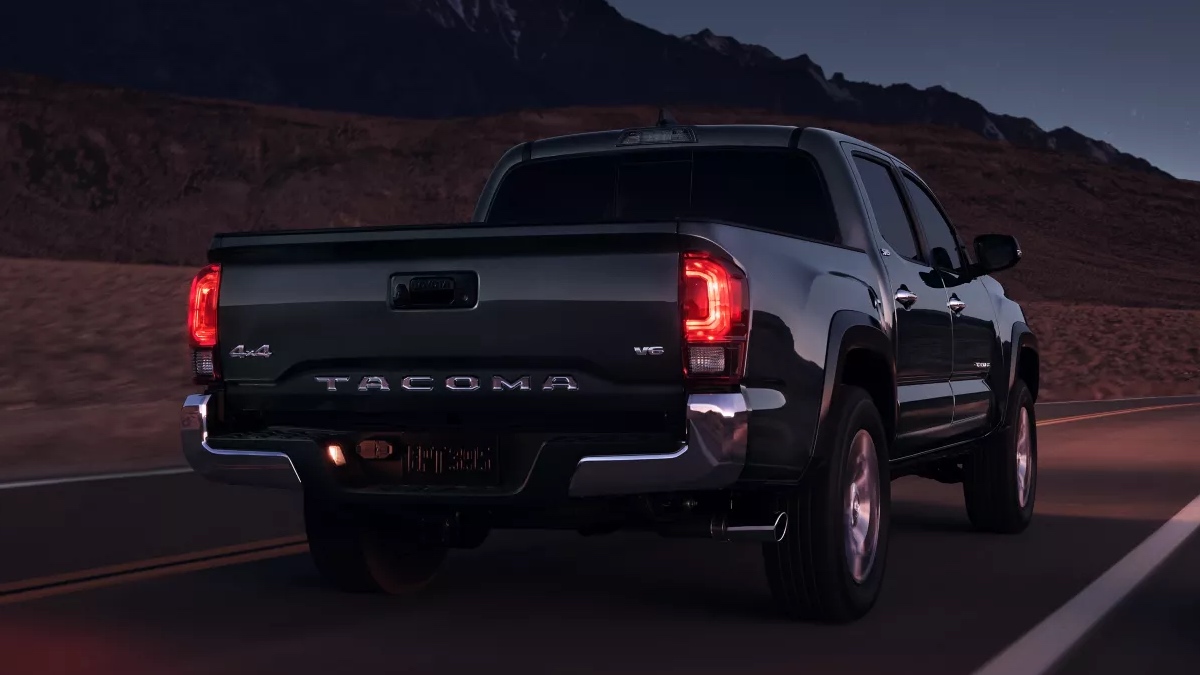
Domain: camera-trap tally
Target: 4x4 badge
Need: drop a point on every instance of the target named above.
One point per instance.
(239, 352)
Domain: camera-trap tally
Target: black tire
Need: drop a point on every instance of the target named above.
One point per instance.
(358, 553)
(809, 572)
(992, 482)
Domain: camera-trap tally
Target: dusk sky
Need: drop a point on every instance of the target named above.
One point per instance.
(1122, 71)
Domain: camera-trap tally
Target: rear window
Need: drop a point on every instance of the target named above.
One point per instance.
(779, 190)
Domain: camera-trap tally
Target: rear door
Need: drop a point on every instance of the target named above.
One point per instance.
(924, 347)
(975, 339)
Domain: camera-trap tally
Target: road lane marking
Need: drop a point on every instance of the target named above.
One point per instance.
(64, 480)
(72, 582)
(1044, 647)
(1110, 413)
(162, 561)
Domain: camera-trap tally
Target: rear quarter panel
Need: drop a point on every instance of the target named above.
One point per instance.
(796, 288)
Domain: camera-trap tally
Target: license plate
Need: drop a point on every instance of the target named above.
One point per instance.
(443, 459)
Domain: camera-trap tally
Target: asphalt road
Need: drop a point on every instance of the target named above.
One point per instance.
(562, 603)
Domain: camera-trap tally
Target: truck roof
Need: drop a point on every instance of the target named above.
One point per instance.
(706, 135)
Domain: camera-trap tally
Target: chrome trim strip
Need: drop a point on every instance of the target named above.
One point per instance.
(712, 458)
(233, 467)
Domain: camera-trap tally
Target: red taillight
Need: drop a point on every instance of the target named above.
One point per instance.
(202, 308)
(715, 300)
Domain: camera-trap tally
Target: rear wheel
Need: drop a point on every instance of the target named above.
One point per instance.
(359, 553)
(1000, 476)
(830, 564)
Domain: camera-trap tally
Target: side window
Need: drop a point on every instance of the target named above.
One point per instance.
(890, 216)
(943, 245)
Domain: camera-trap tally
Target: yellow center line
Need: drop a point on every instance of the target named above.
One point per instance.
(265, 549)
(1110, 413)
(100, 577)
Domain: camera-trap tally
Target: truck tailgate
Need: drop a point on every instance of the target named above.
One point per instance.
(544, 325)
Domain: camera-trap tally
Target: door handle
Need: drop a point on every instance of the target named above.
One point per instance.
(905, 297)
(956, 305)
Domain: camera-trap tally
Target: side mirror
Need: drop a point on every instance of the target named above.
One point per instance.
(996, 252)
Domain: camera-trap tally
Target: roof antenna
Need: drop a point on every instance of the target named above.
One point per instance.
(665, 119)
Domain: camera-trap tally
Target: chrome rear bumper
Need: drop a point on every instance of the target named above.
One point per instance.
(712, 457)
(234, 467)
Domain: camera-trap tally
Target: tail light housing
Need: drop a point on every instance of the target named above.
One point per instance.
(715, 306)
(202, 322)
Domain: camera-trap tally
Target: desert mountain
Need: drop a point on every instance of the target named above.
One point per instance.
(445, 58)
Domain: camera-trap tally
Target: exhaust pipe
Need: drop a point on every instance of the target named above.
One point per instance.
(728, 527)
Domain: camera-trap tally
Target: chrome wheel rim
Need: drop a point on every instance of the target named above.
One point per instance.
(1024, 458)
(862, 507)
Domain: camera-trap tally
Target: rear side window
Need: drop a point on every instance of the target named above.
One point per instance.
(778, 190)
(890, 215)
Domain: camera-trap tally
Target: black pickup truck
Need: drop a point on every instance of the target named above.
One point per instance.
(740, 332)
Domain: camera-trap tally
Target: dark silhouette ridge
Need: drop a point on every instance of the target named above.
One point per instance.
(443, 58)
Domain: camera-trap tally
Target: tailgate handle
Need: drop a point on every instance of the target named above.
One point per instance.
(434, 291)
(431, 290)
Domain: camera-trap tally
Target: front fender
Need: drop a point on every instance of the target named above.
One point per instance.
(1021, 338)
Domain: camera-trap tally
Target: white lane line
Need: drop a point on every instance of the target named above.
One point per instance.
(1043, 647)
(42, 482)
